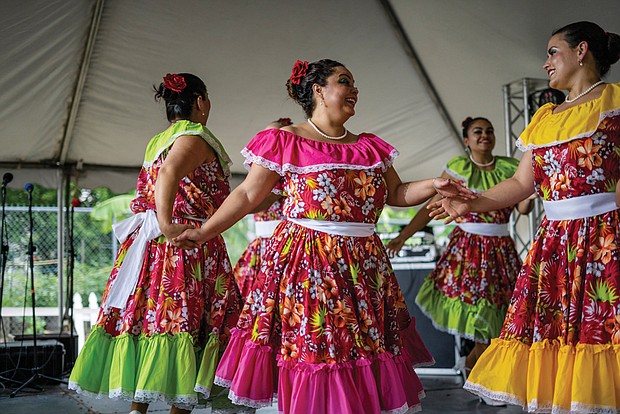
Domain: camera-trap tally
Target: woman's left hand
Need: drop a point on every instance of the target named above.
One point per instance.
(449, 188)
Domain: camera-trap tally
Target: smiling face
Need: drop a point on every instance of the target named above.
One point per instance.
(339, 95)
(562, 62)
(480, 136)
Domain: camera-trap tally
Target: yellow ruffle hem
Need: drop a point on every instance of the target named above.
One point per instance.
(550, 376)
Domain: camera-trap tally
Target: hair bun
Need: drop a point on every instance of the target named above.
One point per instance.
(467, 121)
(613, 47)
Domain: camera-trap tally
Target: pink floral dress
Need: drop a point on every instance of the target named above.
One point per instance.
(328, 311)
(250, 262)
(468, 292)
(559, 349)
(164, 344)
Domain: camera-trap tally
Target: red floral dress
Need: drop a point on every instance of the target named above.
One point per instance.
(328, 310)
(559, 350)
(250, 262)
(468, 292)
(165, 343)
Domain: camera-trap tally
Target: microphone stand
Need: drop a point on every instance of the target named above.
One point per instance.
(36, 370)
(68, 317)
(4, 253)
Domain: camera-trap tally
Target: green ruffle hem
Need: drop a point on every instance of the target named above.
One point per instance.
(479, 322)
(145, 369)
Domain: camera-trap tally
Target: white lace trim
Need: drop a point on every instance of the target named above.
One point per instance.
(181, 401)
(249, 402)
(76, 387)
(534, 407)
(251, 158)
(222, 382)
(119, 394)
(604, 115)
(206, 392)
(576, 407)
(186, 402)
(403, 410)
(451, 331)
(584, 408)
(213, 142)
(494, 395)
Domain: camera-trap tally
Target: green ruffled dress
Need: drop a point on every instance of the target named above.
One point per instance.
(165, 342)
(469, 290)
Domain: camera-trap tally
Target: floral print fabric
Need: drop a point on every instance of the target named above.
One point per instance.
(323, 303)
(250, 262)
(469, 290)
(569, 285)
(184, 304)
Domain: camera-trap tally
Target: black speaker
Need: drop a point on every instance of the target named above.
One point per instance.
(69, 342)
(410, 277)
(17, 358)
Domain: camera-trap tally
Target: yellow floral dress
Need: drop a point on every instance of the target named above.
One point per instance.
(559, 350)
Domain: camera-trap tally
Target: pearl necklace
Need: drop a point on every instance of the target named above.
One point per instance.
(325, 135)
(488, 164)
(583, 93)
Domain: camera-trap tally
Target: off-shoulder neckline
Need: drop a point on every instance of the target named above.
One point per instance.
(360, 136)
(582, 104)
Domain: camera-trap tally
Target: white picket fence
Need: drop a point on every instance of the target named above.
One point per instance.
(83, 317)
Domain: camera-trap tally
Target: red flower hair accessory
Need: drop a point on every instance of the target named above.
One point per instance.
(174, 82)
(300, 68)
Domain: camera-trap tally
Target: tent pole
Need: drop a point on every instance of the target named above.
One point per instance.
(60, 253)
(421, 71)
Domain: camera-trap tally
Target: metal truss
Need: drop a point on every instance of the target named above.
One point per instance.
(520, 103)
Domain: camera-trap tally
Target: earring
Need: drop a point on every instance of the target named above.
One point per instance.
(203, 114)
(580, 62)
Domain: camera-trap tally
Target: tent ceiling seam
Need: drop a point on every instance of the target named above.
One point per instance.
(81, 80)
(420, 70)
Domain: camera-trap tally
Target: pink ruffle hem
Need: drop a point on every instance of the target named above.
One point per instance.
(384, 384)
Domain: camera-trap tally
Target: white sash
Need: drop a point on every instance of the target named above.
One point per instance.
(265, 228)
(485, 229)
(127, 277)
(338, 228)
(580, 207)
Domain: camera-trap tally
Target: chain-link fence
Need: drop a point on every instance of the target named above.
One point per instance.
(94, 253)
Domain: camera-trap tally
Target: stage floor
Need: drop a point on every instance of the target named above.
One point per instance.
(444, 395)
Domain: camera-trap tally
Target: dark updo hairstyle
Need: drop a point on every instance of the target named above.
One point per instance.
(605, 47)
(468, 121)
(317, 72)
(179, 104)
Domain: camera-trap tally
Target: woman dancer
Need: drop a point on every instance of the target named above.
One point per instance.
(166, 312)
(330, 313)
(468, 292)
(559, 349)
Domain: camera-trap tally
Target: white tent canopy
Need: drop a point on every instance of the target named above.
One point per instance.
(77, 74)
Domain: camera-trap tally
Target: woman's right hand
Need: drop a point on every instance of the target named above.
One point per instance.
(193, 235)
(450, 208)
(394, 246)
(172, 230)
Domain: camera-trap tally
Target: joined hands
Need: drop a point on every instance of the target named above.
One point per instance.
(456, 200)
